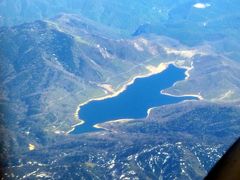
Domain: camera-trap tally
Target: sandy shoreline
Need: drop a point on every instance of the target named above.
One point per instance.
(187, 73)
(98, 126)
(161, 67)
(152, 70)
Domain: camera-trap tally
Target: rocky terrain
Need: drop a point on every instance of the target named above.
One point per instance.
(178, 141)
(56, 55)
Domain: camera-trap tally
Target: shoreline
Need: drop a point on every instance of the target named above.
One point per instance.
(160, 68)
(98, 126)
(187, 73)
(184, 95)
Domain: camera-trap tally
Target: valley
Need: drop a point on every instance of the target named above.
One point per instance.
(132, 103)
(63, 62)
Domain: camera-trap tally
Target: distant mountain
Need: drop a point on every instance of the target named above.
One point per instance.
(119, 14)
(216, 23)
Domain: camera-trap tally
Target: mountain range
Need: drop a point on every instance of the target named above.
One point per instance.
(55, 55)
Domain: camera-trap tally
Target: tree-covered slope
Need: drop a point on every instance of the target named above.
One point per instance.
(179, 141)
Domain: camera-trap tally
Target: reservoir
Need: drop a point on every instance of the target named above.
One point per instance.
(133, 102)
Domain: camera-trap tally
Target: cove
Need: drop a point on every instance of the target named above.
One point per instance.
(134, 102)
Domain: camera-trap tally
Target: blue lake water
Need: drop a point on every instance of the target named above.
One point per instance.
(134, 102)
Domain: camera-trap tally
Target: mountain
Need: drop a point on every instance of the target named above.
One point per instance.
(103, 11)
(56, 55)
(215, 23)
(56, 64)
(50, 67)
(177, 141)
(214, 77)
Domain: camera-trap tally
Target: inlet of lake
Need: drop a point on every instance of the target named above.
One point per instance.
(134, 101)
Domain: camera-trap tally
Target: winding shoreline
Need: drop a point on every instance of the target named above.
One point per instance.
(155, 70)
(163, 66)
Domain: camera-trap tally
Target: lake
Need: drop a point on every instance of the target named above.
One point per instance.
(133, 102)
